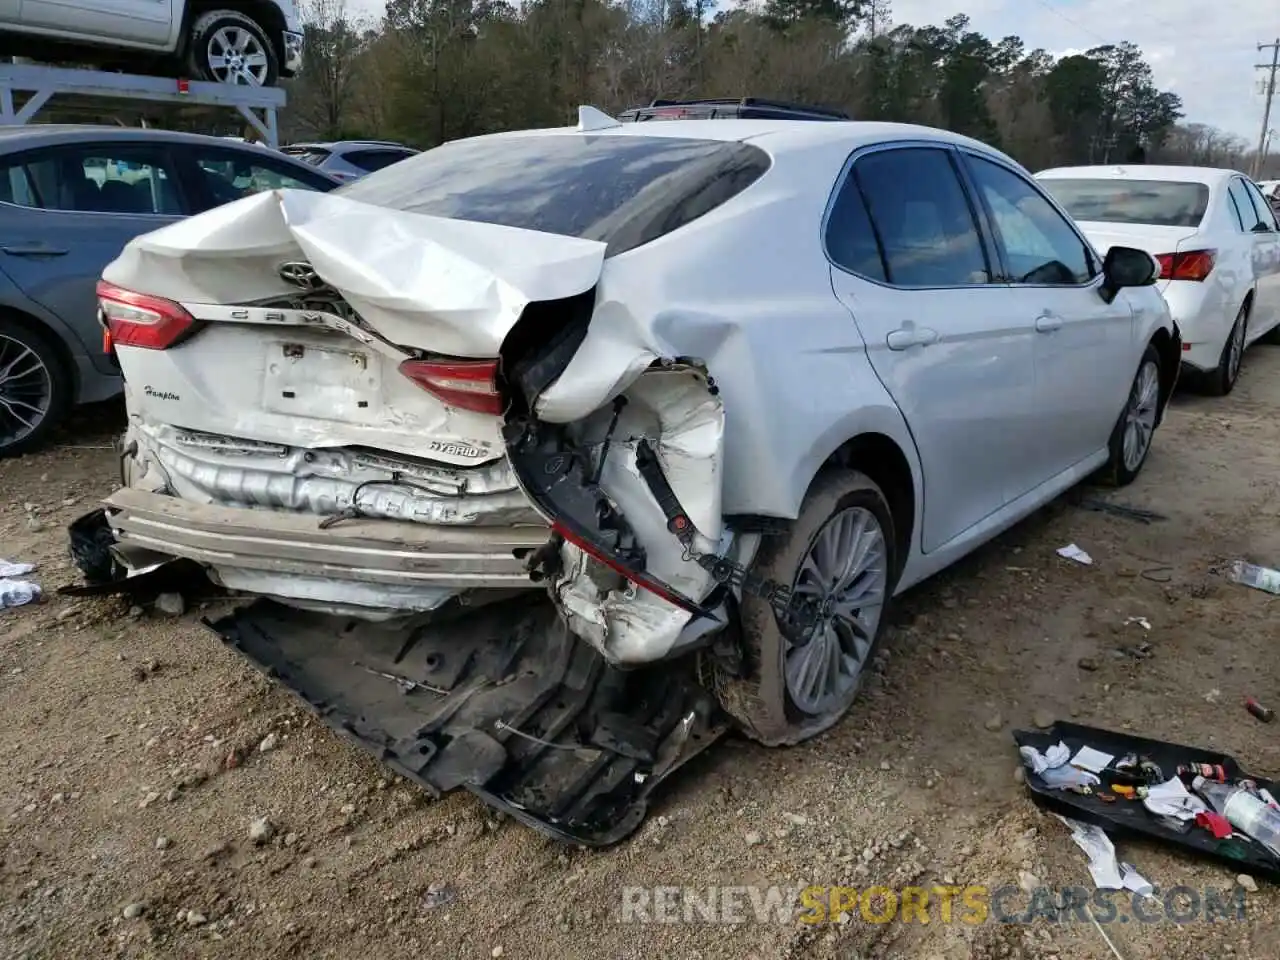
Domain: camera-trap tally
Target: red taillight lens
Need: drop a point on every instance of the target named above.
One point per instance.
(638, 578)
(1188, 265)
(140, 320)
(467, 384)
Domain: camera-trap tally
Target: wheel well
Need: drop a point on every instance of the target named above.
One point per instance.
(1247, 306)
(1170, 359)
(881, 459)
(59, 345)
(266, 15)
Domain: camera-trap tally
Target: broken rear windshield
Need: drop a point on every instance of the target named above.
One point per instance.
(622, 190)
(1164, 203)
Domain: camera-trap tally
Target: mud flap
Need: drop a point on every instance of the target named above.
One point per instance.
(503, 701)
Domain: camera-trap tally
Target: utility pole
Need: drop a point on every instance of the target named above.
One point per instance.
(1271, 69)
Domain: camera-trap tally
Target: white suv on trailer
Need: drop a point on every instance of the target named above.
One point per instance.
(254, 44)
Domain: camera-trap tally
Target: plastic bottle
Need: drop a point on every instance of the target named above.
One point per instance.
(14, 593)
(1260, 578)
(1243, 810)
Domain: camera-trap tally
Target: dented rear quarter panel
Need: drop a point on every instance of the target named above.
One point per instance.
(747, 289)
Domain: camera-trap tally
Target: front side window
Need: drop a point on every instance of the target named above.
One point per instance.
(228, 175)
(624, 191)
(1266, 215)
(1040, 246)
(94, 179)
(922, 218)
(1240, 197)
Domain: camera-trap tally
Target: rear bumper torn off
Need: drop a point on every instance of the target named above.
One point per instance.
(392, 565)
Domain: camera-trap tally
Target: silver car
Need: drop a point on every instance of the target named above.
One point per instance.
(71, 197)
(350, 159)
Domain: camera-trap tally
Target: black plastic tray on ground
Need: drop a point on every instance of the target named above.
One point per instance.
(1130, 816)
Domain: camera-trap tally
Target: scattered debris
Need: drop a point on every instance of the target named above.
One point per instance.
(754, 839)
(171, 604)
(1247, 883)
(1143, 622)
(133, 911)
(1251, 575)
(194, 918)
(1208, 805)
(261, 831)
(1213, 696)
(1265, 714)
(163, 843)
(1137, 514)
(437, 895)
(15, 592)
(1072, 552)
(268, 743)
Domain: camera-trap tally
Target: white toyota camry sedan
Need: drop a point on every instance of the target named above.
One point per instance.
(1217, 240)
(721, 387)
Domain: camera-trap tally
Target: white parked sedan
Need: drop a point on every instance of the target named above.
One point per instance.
(1217, 241)
(724, 386)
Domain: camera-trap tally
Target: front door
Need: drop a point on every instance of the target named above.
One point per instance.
(1266, 265)
(136, 21)
(1085, 356)
(913, 268)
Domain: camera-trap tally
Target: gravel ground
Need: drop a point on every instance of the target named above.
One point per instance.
(125, 832)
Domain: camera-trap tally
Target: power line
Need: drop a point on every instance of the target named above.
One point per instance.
(1271, 69)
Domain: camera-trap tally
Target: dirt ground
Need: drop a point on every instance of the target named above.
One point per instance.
(117, 726)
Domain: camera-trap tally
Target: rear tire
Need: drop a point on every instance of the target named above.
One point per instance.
(790, 689)
(1135, 429)
(1221, 380)
(227, 47)
(35, 388)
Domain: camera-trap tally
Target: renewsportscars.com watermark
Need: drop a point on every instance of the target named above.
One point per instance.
(972, 905)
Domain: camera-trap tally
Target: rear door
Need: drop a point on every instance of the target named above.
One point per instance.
(953, 348)
(1266, 262)
(68, 211)
(1084, 353)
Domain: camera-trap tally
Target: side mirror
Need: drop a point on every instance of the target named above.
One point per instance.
(1127, 267)
(1262, 228)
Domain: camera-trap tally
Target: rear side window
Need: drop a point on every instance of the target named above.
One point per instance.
(921, 217)
(1162, 203)
(312, 155)
(375, 159)
(623, 191)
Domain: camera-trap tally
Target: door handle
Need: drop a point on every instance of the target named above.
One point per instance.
(1047, 323)
(912, 336)
(32, 248)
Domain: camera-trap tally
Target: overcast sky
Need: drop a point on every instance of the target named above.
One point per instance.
(1203, 51)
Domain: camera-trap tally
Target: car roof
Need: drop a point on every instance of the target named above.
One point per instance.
(1210, 176)
(776, 135)
(28, 136)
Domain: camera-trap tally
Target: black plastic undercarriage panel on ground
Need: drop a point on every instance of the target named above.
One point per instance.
(501, 700)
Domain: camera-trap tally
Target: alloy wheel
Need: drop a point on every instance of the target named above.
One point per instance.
(236, 56)
(26, 391)
(1236, 353)
(1140, 415)
(846, 570)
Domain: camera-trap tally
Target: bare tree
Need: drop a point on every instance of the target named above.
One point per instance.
(326, 89)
